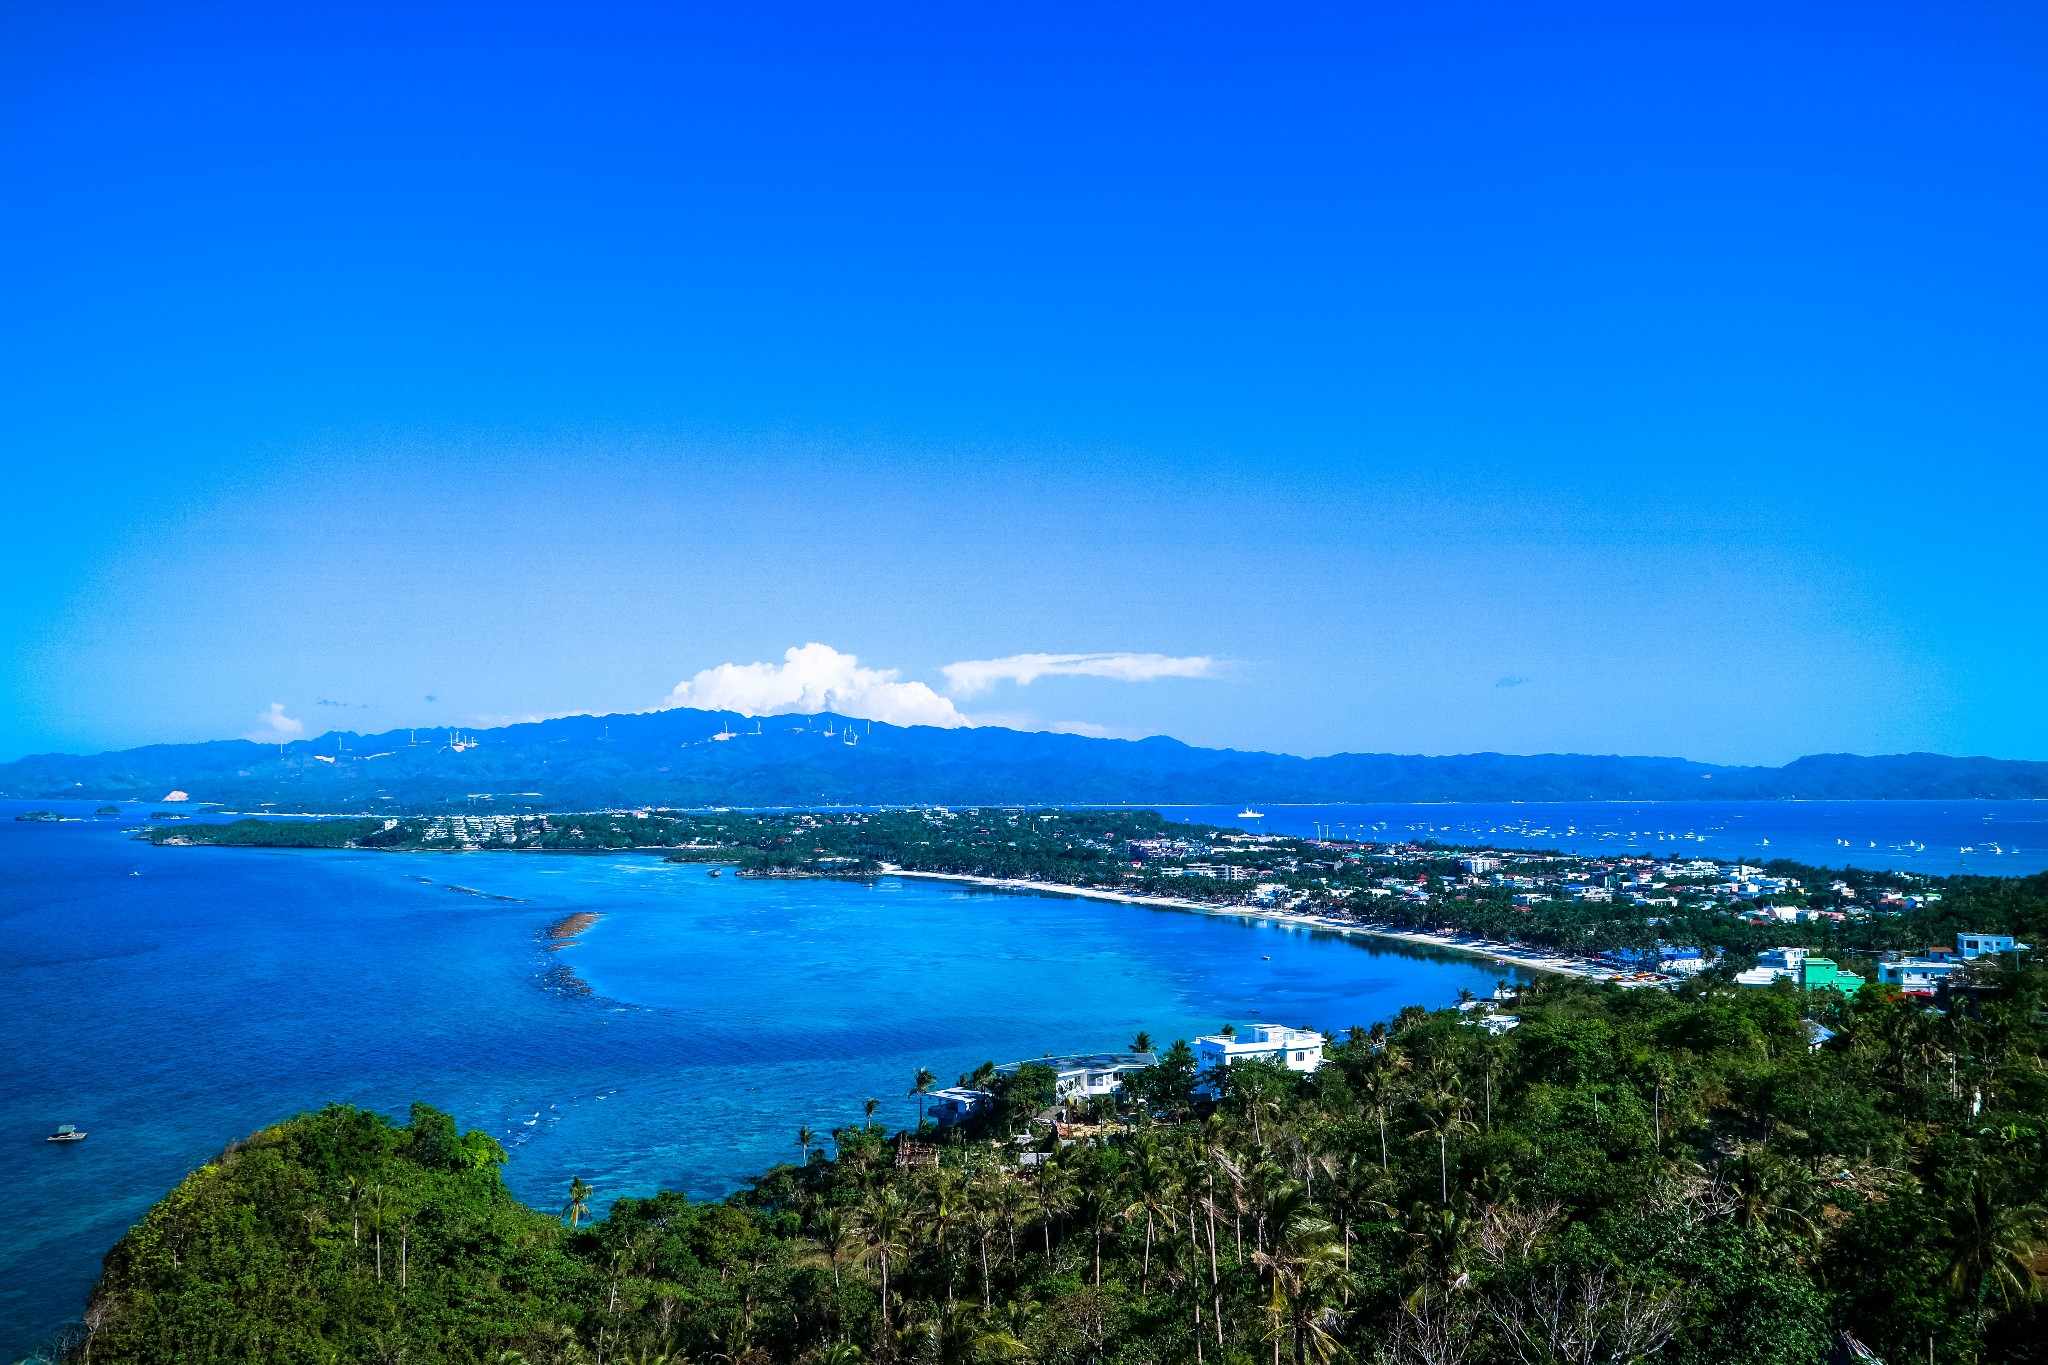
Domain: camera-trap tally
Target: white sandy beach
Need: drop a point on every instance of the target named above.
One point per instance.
(1507, 954)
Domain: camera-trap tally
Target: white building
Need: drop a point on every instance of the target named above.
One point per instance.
(1778, 962)
(1099, 1073)
(1917, 975)
(1294, 1048)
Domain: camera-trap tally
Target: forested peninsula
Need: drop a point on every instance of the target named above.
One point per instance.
(1618, 905)
(1690, 1176)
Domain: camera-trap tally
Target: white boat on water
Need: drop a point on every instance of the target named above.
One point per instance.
(1249, 814)
(66, 1133)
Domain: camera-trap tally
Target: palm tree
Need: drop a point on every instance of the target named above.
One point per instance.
(1097, 1188)
(403, 1217)
(1379, 1090)
(920, 1087)
(963, 1336)
(1154, 1189)
(352, 1197)
(1305, 1264)
(836, 1233)
(1142, 1043)
(804, 1138)
(867, 1111)
(1995, 1248)
(1443, 1117)
(578, 1207)
(1771, 1196)
(884, 1227)
(1055, 1190)
(984, 1204)
(379, 1199)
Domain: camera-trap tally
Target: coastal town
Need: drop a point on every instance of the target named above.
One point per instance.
(1632, 919)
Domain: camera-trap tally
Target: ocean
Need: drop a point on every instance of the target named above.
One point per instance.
(170, 1000)
(1939, 838)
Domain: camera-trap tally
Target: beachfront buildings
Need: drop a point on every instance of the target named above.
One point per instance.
(1672, 959)
(1297, 1049)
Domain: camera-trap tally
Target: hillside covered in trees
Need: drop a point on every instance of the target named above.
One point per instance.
(1691, 1177)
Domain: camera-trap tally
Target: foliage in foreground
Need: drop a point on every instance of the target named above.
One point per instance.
(1625, 1176)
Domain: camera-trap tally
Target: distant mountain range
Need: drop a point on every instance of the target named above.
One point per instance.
(705, 758)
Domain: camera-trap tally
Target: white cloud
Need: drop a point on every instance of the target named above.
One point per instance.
(978, 675)
(812, 679)
(275, 727)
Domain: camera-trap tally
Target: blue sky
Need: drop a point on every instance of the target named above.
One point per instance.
(1649, 379)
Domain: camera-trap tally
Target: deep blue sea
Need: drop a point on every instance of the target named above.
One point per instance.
(169, 1000)
(1940, 838)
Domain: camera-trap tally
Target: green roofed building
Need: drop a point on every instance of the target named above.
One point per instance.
(1816, 972)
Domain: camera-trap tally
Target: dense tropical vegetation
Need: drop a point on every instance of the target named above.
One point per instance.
(1627, 1175)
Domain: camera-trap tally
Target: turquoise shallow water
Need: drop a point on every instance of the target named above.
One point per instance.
(169, 1000)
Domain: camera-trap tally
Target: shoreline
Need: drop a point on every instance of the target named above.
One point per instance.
(1506, 954)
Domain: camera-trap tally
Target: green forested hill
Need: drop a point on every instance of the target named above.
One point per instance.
(1624, 1176)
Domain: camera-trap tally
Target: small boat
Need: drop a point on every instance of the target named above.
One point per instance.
(1249, 814)
(66, 1133)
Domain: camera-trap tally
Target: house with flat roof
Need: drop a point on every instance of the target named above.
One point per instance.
(1822, 973)
(1977, 945)
(1089, 1075)
(956, 1103)
(1778, 962)
(1297, 1049)
(1918, 975)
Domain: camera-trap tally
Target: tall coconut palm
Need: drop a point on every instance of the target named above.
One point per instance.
(804, 1138)
(1097, 1186)
(1154, 1187)
(940, 1207)
(1142, 1042)
(1057, 1193)
(1378, 1089)
(867, 1111)
(837, 1232)
(1996, 1248)
(920, 1086)
(352, 1198)
(1305, 1266)
(379, 1202)
(884, 1231)
(1443, 1118)
(578, 1207)
(1772, 1196)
